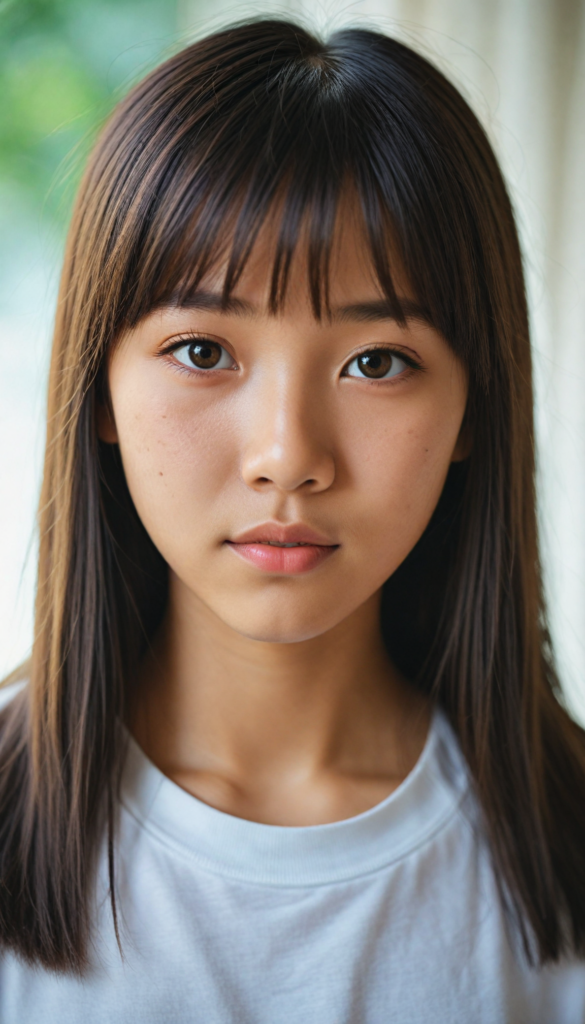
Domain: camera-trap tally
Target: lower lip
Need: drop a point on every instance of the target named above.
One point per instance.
(286, 561)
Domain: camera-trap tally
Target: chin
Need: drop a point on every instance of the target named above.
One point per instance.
(290, 634)
(284, 627)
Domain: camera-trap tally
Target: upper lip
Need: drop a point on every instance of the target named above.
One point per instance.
(281, 533)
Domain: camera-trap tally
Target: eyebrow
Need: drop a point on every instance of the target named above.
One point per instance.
(381, 309)
(214, 302)
(374, 311)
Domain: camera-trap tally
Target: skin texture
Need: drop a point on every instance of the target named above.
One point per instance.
(266, 694)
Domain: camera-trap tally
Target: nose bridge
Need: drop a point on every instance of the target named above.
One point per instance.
(287, 439)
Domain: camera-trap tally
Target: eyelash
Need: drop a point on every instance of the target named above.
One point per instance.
(186, 339)
(413, 365)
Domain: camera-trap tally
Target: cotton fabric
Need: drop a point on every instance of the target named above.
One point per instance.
(390, 917)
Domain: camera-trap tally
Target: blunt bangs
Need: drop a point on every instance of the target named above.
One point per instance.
(281, 133)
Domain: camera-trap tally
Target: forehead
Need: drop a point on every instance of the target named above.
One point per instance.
(353, 290)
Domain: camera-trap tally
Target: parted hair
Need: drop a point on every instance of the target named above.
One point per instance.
(264, 119)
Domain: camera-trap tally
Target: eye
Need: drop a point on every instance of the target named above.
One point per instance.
(203, 354)
(378, 364)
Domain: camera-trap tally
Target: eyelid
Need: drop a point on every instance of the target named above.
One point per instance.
(183, 340)
(178, 340)
(411, 361)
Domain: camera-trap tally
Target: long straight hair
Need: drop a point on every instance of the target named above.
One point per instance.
(265, 120)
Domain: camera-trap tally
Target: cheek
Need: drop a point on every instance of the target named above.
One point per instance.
(177, 456)
(398, 464)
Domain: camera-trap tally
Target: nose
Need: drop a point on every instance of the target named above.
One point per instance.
(287, 441)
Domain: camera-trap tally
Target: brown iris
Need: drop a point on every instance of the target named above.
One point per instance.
(205, 354)
(375, 364)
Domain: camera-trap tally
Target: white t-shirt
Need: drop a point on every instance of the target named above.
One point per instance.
(390, 917)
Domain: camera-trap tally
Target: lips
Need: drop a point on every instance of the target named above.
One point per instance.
(283, 549)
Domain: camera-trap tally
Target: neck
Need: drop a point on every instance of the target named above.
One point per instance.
(316, 730)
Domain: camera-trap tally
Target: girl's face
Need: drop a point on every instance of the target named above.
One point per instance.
(241, 432)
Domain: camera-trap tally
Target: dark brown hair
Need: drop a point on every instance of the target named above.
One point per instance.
(264, 119)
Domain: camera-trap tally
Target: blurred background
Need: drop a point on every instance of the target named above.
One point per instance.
(521, 65)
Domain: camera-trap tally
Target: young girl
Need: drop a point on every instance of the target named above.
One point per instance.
(290, 746)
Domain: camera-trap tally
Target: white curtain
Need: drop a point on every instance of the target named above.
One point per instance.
(521, 65)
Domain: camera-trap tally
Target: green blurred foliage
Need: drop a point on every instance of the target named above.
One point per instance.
(63, 64)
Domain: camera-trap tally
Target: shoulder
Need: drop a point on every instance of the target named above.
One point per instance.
(9, 692)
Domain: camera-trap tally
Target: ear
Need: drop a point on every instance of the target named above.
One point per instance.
(464, 442)
(105, 423)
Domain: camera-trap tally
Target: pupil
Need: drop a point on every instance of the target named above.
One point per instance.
(375, 364)
(204, 354)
